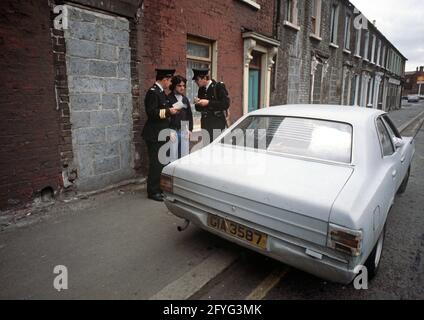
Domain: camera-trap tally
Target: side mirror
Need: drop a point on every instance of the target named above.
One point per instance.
(399, 142)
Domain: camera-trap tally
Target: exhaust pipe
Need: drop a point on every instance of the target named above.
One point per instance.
(184, 226)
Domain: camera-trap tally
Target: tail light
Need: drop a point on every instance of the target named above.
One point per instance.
(166, 183)
(345, 240)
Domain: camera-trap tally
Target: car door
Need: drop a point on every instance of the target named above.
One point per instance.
(403, 150)
(390, 162)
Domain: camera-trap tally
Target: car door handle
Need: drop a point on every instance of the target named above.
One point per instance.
(394, 173)
(402, 159)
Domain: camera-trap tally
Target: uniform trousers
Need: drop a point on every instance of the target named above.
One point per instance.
(155, 167)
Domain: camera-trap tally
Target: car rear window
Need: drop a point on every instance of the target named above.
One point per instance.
(314, 138)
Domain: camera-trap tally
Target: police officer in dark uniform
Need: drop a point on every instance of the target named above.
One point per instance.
(212, 101)
(158, 118)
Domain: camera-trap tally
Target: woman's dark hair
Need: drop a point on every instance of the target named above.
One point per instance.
(176, 80)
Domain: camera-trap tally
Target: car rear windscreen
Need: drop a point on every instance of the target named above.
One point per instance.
(320, 139)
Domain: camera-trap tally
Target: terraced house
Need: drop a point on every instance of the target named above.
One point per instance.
(75, 74)
(331, 54)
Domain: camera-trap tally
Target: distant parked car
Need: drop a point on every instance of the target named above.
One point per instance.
(413, 98)
(313, 187)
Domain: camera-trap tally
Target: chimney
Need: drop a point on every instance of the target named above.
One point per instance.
(421, 69)
(418, 69)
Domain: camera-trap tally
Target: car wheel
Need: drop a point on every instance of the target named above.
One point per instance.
(402, 187)
(373, 262)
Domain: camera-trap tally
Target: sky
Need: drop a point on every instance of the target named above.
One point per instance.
(402, 23)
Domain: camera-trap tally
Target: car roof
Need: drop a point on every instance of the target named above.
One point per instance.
(339, 113)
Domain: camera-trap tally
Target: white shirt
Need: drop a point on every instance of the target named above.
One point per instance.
(209, 83)
(158, 84)
(179, 97)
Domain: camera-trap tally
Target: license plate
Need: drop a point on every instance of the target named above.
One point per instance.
(255, 238)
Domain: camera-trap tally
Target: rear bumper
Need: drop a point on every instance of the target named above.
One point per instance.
(289, 250)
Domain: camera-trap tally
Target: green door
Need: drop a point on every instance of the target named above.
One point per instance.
(253, 90)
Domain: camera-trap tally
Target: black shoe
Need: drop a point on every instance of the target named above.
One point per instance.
(156, 197)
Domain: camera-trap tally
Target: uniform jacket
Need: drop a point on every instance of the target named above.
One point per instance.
(158, 116)
(184, 114)
(217, 95)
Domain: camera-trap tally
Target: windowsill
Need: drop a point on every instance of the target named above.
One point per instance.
(357, 56)
(316, 37)
(252, 3)
(291, 25)
(347, 51)
(333, 45)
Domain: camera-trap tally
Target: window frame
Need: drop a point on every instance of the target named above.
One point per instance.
(358, 38)
(291, 14)
(374, 42)
(316, 18)
(202, 60)
(383, 155)
(366, 44)
(347, 31)
(334, 23)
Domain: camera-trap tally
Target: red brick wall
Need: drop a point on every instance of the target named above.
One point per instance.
(29, 135)
(166, 24)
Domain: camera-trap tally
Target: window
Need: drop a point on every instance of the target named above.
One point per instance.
(334, 23)
(358, 42)
(199, 55)
(374, 39)
(291, 11)
(391, 126)
(312, 138)
(389, 52)
(348, 22)
(383, 57)
(385, 140)
(355, 90)
(379, 53)
(366, 45)
(316, 18)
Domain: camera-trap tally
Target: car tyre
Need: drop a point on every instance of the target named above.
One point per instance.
(373, 262)
(404, 184)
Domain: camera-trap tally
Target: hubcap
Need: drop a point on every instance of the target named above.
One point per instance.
(379, 249)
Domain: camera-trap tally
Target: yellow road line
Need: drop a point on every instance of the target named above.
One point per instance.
(268, 283)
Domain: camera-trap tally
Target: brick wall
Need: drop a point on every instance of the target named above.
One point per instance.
(29, 136)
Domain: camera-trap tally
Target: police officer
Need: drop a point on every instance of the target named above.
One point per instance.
(158, 118)
(212, 101)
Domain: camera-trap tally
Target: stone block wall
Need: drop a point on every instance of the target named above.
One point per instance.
(98, 60)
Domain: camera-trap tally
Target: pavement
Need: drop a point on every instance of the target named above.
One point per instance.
(120, 245)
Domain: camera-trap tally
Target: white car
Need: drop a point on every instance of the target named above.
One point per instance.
(413, 98)
(308, 185)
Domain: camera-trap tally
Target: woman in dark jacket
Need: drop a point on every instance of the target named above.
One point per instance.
(181, 122)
